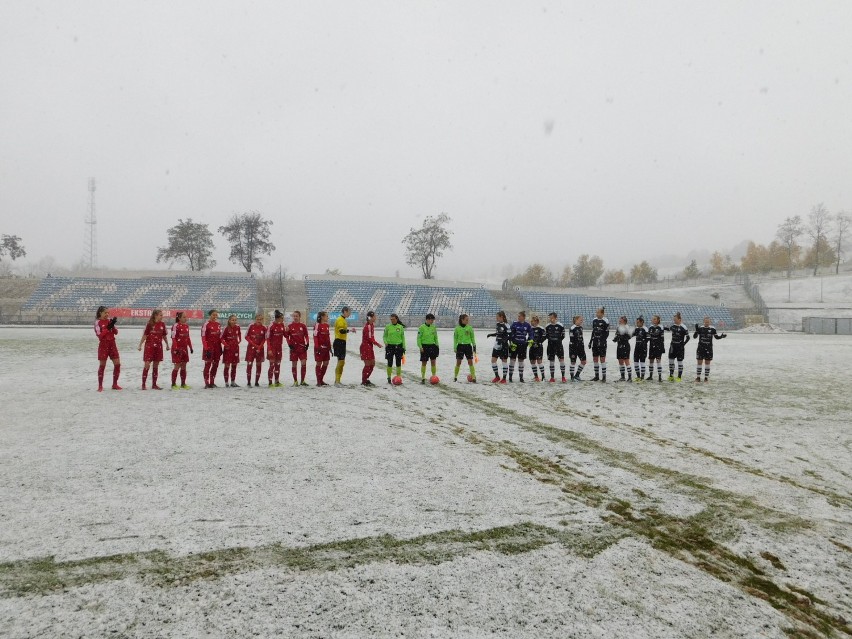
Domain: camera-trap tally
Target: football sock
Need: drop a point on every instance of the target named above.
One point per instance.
(496, 370)
(101, 369)
(116, 371)
(144, 376)
(304, 369)
(472, 371)
(707, 371)
(423, 370)
(552, 370)
(680, 369)
(174, 377)
(456, 375)
(155, 374)
(562, 368)
(671, 367)
(183, 377)
(338, 371)
(579, 370)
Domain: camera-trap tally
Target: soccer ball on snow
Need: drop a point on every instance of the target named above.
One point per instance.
(471, 378)
(434, 379)
(397, 380)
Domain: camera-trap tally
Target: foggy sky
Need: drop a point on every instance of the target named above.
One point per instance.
(545, 130)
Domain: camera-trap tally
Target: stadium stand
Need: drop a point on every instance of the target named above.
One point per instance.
(568, 305)
(60, 294)
(404, 299)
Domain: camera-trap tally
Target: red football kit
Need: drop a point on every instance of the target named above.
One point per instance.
(322, 350)
(106, 340)
(275, 341)
(255, 339)
(232, 337)
(154, 334)
(298, 341)
(107, 349)
(181, 343)
(368, 341)
(322, 343)
(211, 342)
(275, 349)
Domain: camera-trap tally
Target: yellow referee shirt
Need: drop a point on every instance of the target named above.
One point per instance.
(341, 328)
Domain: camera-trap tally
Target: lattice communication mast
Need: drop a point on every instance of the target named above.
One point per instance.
(91, 239)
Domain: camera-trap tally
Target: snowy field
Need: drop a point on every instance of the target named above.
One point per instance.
(461, 510)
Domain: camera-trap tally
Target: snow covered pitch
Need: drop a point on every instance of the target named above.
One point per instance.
(535, 510)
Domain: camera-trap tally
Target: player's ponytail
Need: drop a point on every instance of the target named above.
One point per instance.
(394, 315)
(178, 317)
(278, 314)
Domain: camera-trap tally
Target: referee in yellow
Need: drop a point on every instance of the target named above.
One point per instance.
(338, 347)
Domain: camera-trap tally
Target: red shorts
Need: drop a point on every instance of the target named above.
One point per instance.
(322, 356)
(297, 354)
(274, 354)
(231, 355)
(180, 355)
(215, 354)
(153, 353)
(367, 353)
(107, 350)
(254, 354)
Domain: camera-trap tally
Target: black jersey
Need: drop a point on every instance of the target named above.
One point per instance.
(539, 335)
(640, 333)
(680, 335)
(600, 330)
(555, 333)
(657, 338)
(500, 335)
(705, 335)
(623, 339)
(576, 335)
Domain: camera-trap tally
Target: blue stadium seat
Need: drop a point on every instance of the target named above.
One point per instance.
(394, 297)
(180, 292)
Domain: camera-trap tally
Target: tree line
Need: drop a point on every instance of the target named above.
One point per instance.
(827, 235)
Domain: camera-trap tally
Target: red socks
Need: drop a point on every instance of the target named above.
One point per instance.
(101, 370)
(144, 376)
(115, 372)
(295, 379)
(174, 377)
(207, 365)
(183, 377)
(155, 373)
(304, 369)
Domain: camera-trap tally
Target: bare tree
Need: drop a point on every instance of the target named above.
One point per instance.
(842, 222)
(788, 232)
(819, 221)
(248, 234)
(425, 245)
(11, 245)
(189, 242)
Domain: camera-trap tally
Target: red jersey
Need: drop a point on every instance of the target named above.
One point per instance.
(297, 336)
(256, 335)
(154, 334)
(275, 336)
(180, 337)
(211, 336)
(368, 336)
(322, 338)
(231, 337)
(104, 333)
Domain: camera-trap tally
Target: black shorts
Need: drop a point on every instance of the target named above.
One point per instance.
(622, 351)
(338, 347)
(501, 353)
(657, 352)
(554, 350)
(577, 351)
(704, 353)
(536, 353)
(599, 349)
(640, 353)
(393, 351)
(520, 351)
(464, 351)
(430, 351)
(676, 352)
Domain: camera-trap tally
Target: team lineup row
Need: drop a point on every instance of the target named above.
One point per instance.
(513, 345)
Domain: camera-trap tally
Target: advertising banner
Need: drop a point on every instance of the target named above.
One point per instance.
(353, 317)
(145, 313)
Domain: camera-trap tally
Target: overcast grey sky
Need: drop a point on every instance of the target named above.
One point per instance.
(544, 129)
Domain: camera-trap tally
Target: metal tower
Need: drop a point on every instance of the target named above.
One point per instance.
(91, 239)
